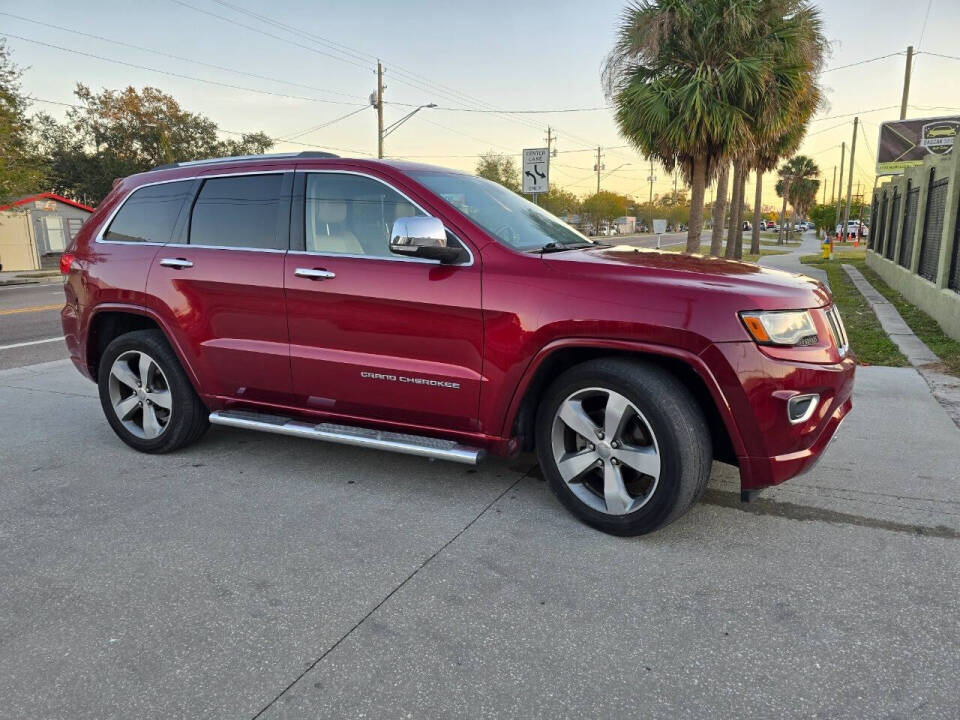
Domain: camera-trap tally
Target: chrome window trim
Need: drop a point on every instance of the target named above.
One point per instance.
(333, 171)
(103, 228)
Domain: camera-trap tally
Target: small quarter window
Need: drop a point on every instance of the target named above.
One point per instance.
(352, 214)
(239, 212)
(149, 214)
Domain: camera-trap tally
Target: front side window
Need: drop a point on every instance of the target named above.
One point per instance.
(351, 214)
(149, 214)
(509, 218)
(238, 212)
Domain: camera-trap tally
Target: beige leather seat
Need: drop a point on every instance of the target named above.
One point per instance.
(326, 232)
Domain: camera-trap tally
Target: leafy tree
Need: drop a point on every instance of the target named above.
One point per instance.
(21, 171)
(822, 217)
(559, 202)
(603, 206)
(501, 169)
(120, 132)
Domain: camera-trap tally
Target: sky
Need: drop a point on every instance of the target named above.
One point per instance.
(494, 55)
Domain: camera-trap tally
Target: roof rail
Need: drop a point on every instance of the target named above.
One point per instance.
(235, 158)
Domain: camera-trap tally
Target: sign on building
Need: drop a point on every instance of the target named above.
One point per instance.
(905, 143)
(536, 170)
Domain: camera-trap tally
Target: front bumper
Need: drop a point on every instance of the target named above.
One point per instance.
(758, 387)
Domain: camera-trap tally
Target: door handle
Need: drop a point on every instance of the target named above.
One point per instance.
(178, 263)
(314, 273)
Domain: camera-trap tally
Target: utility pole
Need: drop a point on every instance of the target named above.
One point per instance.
(676, 173)
(843, 150)
(853, 150)
(599, 168)
(651, 187)
(379, 110)
(824, 201)
(833, 188)
(550, 138)
(906, 83)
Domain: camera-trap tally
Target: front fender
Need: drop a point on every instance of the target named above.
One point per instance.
(693, 360)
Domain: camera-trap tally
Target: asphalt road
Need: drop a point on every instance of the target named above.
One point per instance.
(255, 575)
(30, 330)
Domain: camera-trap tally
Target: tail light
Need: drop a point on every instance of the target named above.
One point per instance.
(66, 262)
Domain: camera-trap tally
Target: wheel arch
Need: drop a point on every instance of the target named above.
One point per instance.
(109, 321)
(559, 356)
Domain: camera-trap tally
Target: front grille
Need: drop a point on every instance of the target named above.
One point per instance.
(838, 330)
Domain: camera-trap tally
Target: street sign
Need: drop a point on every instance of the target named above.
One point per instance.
(659, 226)
(536, 170)
(905, 143)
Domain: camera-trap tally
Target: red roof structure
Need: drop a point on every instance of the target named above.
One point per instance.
(46, 196)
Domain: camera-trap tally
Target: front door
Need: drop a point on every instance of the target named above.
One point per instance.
(373, 335)
(220, 287)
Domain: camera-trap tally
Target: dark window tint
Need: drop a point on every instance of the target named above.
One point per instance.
(149, 214)
(352, 214)
(238, 212)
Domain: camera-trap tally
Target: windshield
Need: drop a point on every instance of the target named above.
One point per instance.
(509, 218)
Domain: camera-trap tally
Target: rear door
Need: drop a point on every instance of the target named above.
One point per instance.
(220, 285)
(374, 335)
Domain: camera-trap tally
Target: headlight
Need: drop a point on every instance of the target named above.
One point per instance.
(791, 327)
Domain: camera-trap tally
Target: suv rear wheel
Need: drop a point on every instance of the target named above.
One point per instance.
(623, 445)
(146, 396)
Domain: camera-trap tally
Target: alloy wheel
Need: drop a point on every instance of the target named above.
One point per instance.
(140, 394)
(605, 451)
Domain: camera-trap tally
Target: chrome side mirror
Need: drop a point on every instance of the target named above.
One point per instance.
(423, 237)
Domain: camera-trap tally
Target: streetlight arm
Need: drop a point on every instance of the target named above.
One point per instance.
(390, 128)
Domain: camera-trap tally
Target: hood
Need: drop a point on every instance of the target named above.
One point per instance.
(759, 288)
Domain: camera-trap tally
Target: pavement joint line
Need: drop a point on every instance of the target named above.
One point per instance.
(389, 595)
(50, 392)
(805, 513)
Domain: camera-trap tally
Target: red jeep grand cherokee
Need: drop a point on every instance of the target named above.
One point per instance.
(426, 311)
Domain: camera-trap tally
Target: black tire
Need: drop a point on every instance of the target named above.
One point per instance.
(188, 417)
(676, 421)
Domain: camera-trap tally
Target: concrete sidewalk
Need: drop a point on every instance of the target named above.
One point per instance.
(790, 262)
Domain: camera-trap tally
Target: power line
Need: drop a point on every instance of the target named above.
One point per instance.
(229, 132)
(113, 41)
(864, 62)
(175, 74)
(276, 37)
(325, 124)
(939, 55)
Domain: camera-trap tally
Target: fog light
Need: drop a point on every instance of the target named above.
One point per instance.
(800, 408)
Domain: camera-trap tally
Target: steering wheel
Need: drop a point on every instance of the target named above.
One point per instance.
(507, 234)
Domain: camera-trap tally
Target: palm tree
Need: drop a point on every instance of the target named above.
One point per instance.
(680, 83)
(790, 33)
(797, 184)
(696, 84)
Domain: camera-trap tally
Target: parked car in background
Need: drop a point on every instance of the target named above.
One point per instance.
(404, 307)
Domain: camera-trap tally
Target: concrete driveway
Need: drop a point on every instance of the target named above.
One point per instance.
(257, 574)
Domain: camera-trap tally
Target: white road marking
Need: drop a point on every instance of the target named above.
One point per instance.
(31, 342)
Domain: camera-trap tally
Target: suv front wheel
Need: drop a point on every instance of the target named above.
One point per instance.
(624, 445)
(146, 396)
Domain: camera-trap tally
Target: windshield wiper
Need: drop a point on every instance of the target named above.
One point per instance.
(552, 247)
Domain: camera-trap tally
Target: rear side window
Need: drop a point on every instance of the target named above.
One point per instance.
(240, 212)
(149, 214)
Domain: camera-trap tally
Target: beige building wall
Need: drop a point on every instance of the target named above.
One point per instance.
(17, 248)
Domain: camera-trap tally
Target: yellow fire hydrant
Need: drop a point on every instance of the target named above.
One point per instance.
(827, 247)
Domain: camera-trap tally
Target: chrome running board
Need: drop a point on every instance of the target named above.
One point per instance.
(349, 435)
